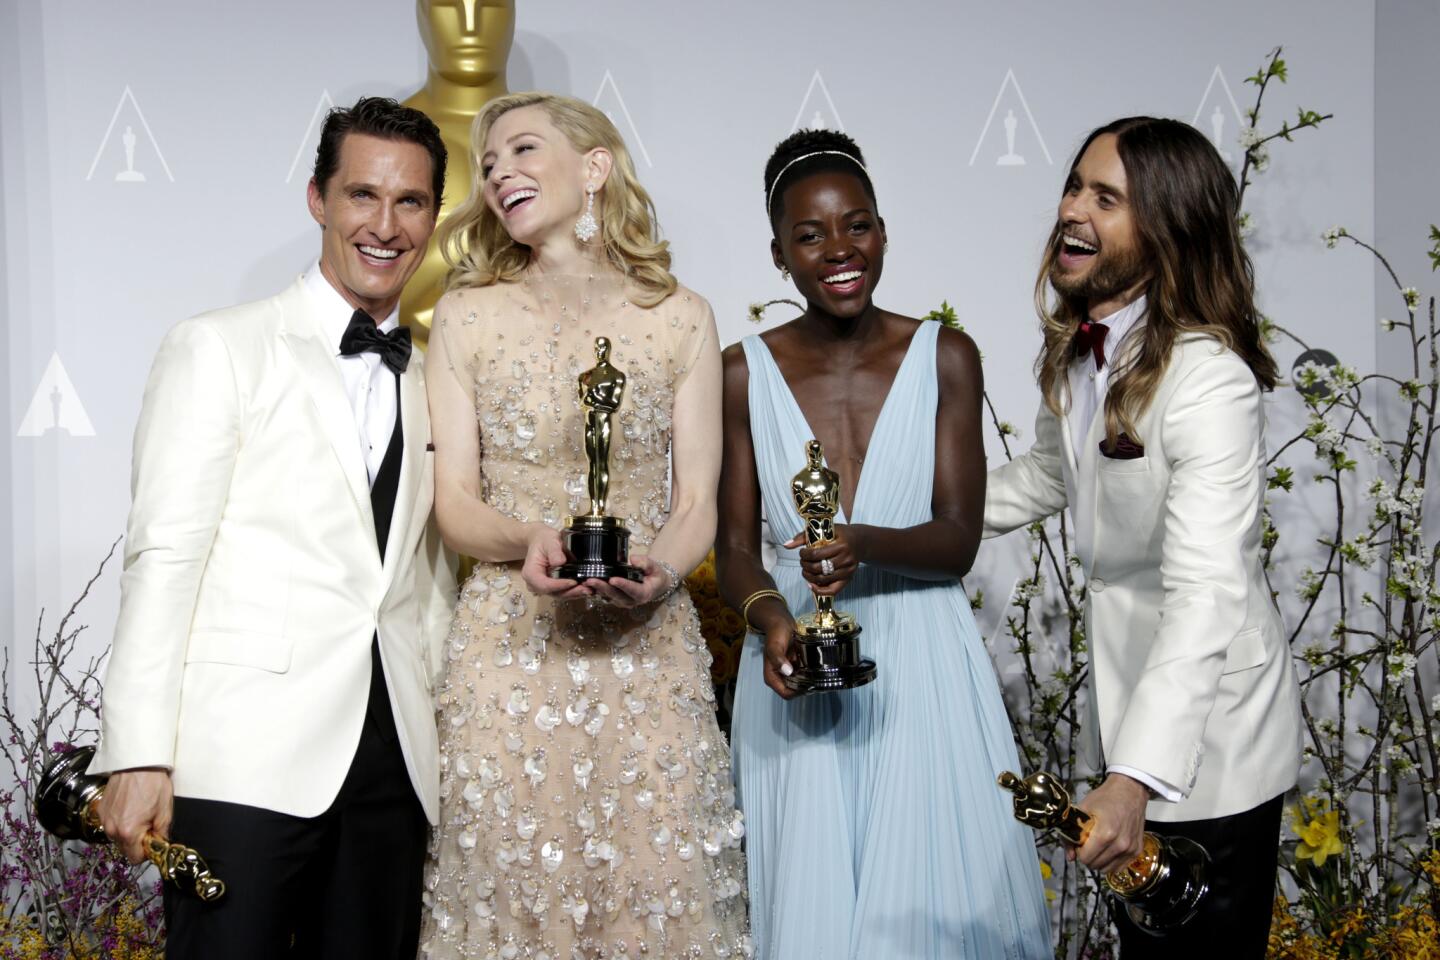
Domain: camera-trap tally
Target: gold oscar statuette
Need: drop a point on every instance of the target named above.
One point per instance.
(1160, 889)
(66, 806)
(468, 44)
(827, 641)
(597, 546)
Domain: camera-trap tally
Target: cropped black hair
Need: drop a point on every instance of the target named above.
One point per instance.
(783, 168)
(384, 118)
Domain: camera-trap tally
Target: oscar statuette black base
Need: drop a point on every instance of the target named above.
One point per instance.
(829, 656)
(598, 548)
(1176, 892)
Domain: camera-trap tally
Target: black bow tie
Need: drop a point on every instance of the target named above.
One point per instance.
(363, 335)
(1090, 338)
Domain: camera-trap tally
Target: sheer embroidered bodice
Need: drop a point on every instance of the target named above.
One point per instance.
(587, 807)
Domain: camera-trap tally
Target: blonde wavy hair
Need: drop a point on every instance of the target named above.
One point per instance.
(480, 252)
(1186, 208)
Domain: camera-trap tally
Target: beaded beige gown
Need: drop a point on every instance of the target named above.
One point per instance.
(587, 809)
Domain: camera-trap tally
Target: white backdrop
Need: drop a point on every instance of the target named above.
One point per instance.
(222, 101)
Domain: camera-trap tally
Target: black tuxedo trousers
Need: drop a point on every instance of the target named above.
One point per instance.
(1234, 918)
(343, 884)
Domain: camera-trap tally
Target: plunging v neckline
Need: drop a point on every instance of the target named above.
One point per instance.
(847, 516)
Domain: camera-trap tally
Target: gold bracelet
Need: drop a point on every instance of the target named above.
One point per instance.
(757, 595)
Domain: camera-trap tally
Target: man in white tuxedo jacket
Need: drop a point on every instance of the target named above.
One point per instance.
(285, 596)
(1152, 433)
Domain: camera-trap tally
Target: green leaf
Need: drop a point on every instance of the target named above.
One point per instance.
(1279, 71)
(1434, 253)
(1269, 538)
(1269, 332)
(1283, 479)
(946, 315)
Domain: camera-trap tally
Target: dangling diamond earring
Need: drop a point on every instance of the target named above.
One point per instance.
(586, 227)
(785, 273)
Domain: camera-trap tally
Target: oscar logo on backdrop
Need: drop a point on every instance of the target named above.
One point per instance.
(1217, 130)
(1010, 158)
(468, 44)
(129, 174)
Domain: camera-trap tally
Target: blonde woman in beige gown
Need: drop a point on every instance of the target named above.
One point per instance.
(587, 809)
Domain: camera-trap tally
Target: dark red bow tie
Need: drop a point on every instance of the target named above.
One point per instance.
(1090, 338)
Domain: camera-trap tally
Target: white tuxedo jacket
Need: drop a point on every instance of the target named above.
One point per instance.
(1191, 680)
(253, 585)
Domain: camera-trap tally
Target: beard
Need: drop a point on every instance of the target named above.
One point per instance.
(1109, 276)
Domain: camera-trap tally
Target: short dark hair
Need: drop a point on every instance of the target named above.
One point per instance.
(783, 170)
(387, 119)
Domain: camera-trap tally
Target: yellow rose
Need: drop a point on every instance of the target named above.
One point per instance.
(730, 623)
(725, 662)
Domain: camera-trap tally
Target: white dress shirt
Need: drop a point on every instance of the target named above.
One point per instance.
(1088, 387)
(369, 384)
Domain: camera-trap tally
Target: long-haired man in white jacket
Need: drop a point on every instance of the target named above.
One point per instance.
(1151, 431)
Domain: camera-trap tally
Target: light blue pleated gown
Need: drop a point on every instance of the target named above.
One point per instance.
(875, 830)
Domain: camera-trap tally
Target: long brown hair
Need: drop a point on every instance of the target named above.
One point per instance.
(1186, 209)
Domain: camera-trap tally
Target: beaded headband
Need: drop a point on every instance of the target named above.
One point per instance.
(770, 197)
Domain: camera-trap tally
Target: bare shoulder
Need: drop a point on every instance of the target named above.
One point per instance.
(736, 367)
(954, 345)
(957, 364)
(735, 388)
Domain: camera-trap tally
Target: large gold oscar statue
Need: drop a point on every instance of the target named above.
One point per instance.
(597, 546)
(1161, 889)
(826, 642)
(468, 43)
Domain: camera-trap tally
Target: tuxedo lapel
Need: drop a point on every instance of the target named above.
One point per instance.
(408, 493)
(315, 357)
(1067, 441)
(1086, 507)
(1090, 444)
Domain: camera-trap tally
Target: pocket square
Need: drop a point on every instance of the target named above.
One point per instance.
(1124, 449)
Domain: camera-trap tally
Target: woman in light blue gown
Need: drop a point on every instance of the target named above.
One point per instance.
(875, 830)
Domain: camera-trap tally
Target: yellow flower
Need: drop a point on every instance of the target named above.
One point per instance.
(1431, 866)
(1349, 922)
(1319, 835)
(730, 623)
(703, 576)
(1411, 934)
(1045, 874)
(725, 661)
